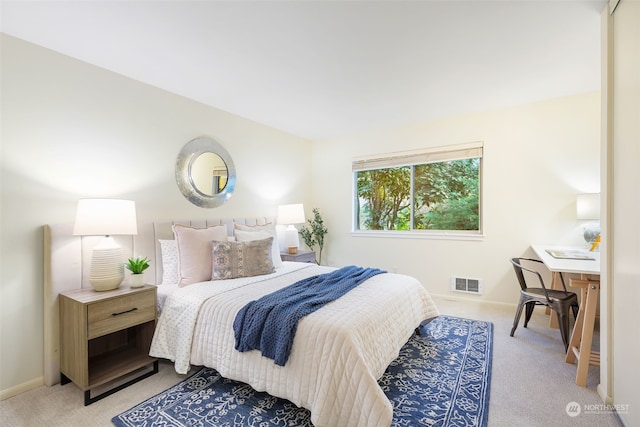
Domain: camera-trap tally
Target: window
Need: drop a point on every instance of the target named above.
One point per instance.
(435, 190)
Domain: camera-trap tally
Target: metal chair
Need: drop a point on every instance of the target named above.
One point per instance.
(560, 301)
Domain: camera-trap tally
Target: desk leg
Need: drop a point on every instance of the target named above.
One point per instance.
(583, 353)
(556, 283)
(576, 335)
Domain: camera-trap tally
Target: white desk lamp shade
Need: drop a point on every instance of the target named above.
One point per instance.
(588, 206)
(106, 217)
(290, 215)
(588, 209)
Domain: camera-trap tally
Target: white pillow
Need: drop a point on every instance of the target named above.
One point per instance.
(246, 233)
(169, 251)
(194, 252)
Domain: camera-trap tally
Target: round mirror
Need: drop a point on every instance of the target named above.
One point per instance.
(205, 173)
(208, 174)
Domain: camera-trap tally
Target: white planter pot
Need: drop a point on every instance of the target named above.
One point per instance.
(136, 280)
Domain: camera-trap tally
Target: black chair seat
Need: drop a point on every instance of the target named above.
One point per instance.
(560, 301)
(553, 294)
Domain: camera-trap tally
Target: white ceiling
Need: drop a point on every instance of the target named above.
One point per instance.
(325, 68)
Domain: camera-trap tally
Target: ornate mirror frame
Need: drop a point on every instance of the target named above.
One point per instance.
(187, 156)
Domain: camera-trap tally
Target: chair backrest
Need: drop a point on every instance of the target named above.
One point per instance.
(520, 269)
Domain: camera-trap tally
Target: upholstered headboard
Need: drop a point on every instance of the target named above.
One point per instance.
(66, 267)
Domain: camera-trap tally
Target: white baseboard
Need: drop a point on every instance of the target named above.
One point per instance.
(602, 392)
(21, 388)
(474, 300)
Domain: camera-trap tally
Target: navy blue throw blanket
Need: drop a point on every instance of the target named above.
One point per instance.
(269, 324)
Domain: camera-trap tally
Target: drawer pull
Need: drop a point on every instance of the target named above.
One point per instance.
(124, 312)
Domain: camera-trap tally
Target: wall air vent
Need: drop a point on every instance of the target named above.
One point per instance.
(465, 284)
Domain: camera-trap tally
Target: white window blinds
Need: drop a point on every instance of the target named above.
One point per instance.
(419, 157)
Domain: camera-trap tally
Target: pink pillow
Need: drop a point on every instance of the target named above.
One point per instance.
(194, 252)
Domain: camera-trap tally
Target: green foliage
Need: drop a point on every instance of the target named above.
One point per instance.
(137, 265)
(314, 235)
(445, 197)
(457, 214)
(383, 194)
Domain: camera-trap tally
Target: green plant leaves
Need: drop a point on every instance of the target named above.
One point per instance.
(137, 265)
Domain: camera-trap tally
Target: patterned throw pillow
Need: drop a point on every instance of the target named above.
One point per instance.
(231, 260)
(255, 232)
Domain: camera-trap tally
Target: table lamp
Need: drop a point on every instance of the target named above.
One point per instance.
(290, 215)
(106, 217)
(588, 209)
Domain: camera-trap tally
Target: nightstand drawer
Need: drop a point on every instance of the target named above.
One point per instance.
(119, 313)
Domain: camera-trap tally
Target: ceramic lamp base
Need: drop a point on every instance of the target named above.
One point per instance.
(291, 239)
(107, 267)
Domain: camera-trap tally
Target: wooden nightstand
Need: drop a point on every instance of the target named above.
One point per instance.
(301, 256)
(106, 335)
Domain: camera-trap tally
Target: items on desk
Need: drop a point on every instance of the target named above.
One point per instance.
(569, 254)
(595, 244)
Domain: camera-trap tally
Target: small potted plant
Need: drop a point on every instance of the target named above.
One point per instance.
(137, 266)
(314, 235)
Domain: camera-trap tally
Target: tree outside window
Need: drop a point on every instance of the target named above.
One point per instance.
(441, 195)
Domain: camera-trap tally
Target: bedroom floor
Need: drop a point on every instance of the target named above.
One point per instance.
(521, 393)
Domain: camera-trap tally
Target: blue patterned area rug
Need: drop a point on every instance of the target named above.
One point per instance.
(440, 378)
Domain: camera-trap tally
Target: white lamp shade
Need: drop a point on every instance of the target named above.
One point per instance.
(291, 214)
(588, 206)
(104, 217)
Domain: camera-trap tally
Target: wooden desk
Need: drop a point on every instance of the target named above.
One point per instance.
(589, 284)
(582, 335)
(557, 266)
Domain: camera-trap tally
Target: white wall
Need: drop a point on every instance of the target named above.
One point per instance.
(536, 159)
(623, 231)
(72, 130)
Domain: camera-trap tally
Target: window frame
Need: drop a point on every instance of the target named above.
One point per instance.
(412, 158)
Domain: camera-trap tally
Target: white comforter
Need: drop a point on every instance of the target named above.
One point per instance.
(338, 352)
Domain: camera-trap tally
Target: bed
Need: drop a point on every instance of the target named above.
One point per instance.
(338, 352)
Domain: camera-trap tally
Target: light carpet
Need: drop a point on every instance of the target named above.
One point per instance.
(440, 378)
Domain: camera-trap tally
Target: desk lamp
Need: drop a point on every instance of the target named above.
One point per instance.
(588, 209)
(106, 217)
